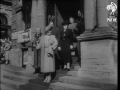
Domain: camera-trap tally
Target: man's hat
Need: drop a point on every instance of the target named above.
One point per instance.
(65, 23)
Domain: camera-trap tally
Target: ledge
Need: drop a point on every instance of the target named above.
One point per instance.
(98, 34)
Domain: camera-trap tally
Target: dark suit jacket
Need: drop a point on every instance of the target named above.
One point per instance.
(66, 37)
(55, 31)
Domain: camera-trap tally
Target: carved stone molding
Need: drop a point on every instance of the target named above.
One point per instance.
(7, 13)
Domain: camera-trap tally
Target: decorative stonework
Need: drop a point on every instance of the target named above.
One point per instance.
(7, 11)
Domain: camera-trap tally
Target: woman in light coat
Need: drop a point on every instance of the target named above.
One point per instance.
(48, 44)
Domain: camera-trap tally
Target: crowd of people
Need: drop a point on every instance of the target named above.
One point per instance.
(5, 46)
(56, 47)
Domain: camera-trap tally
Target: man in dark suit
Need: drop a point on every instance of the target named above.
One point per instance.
(37, 52)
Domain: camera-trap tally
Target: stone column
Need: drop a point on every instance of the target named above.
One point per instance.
(102, 12)
(38, 19)
(90, 13)
(34, 18)
(41, 23)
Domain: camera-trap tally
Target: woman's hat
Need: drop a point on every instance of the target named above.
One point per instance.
(65, 23)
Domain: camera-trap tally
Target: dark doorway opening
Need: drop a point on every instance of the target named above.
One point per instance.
(66, 8)
(5, 28)
(69, 8)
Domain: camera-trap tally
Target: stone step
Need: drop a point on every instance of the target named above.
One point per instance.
(10, 83)
(95, 65)
(93, 69)
(33, 87)
(93, 83)
(38, 81)
(11, 67)
(94, 60)
(17, 79)
(91, 74)
(66, 86)
(59, 73)
(4, 87)
(74, 58)
(20, 72)
(103, 64)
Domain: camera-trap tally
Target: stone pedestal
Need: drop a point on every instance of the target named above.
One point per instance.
(30, 60)
(99, 54)
(15, 57)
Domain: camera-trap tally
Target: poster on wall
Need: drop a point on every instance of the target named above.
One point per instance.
(24, 36)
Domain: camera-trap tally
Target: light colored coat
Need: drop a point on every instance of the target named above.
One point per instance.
(47, 44)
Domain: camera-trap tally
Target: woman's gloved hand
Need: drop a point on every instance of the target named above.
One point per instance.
(59, 48)
(71, 46)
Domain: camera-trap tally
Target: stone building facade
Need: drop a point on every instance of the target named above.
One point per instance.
(95, 44)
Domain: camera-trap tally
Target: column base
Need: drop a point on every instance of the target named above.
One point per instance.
(99, 54)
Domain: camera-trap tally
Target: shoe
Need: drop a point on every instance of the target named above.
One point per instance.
(65, 69)
(68, 69)
(7, 62)
(49, 79)
(45, 80)
(34, 72)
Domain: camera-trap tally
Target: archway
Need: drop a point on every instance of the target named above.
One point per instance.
(5, 28)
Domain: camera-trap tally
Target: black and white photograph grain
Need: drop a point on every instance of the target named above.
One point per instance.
(58, 44)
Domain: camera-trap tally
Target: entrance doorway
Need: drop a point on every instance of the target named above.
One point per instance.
(64, 9)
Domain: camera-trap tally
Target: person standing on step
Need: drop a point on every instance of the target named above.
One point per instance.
(55, 31)
(65, 46)
(48, 44)
(73, 27)
(7, 51)
(37, 52)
